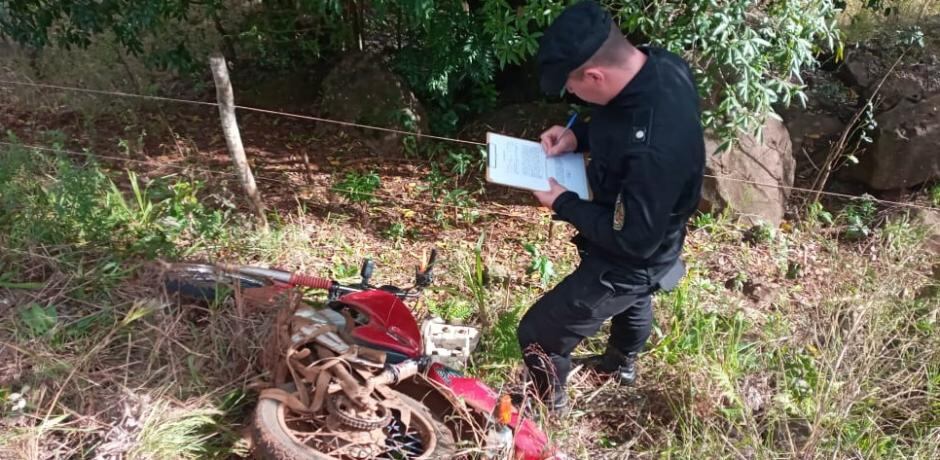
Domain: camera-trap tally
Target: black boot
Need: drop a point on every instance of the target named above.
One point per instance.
(558, 401)
(614, 361)
(549, 390)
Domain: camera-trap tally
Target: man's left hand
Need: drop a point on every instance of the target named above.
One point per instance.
(548, 198)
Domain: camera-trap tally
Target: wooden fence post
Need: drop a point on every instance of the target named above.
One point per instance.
(226, 99)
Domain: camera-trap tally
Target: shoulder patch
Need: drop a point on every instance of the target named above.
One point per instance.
(619, 213)
(642, 128)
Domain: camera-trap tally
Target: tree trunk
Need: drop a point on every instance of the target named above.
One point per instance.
(226, 98)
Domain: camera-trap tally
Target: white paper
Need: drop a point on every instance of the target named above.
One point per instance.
(523, 164)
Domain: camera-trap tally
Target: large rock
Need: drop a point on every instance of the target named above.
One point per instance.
(905, 152)
(914, 79)
(361, 89)
(907, 147)
(769, 162)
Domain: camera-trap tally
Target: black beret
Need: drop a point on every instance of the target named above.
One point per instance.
(570, 41)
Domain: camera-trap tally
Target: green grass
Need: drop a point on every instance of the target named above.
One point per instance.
(53, 201)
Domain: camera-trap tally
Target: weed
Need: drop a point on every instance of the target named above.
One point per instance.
(540, 265)
(859, 217)
(396, 232)
(450, 309)
(169, 432)
(343, 271)
(900, 235)
(761, 234)
(435, 181)
(818, 215)
(935, 195)
(499, 346)
(359, 187)
(132, 147)
(474, 275)
(464, 207)
(53, 201)
(38, 320)
(704, 220)
(462, 161)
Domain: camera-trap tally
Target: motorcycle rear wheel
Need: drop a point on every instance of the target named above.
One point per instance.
(207, 283)
(273, 440)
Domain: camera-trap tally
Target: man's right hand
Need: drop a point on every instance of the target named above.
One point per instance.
(556, 140)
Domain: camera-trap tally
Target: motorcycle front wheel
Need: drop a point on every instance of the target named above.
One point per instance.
(275, 439)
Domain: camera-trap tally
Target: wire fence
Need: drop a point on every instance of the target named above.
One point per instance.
(888, 203)
(261, 178)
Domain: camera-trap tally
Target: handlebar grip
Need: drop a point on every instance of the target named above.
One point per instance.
(314, 282)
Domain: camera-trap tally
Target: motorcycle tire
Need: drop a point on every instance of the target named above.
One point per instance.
(273, 442)
(202, 282)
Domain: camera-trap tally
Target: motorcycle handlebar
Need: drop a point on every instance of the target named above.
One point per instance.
(314, 282)
(423, 279)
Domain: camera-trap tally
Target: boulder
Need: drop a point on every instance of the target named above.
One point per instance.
(906, 151)
(914, 79)
(768, 161)
(361, 89)
(812, 132)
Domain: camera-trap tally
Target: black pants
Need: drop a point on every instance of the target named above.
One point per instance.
(576, 308)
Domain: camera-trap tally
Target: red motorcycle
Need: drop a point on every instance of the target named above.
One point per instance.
(355, 379)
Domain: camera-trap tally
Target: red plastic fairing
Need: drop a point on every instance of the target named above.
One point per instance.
(530, 442)
(391, 324)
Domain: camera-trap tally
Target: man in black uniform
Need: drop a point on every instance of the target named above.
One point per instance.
(647, 157)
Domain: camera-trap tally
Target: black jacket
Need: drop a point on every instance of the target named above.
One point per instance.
(647, 159)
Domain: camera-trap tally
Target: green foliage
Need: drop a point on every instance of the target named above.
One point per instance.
(63, 23)
(474, 275)
(801, 378)
(818, 215)
(499, 346)
(746, 58)
(463, 206)
(704, 220)
(435, 181)
(541, 265)
(344, 271)
(447, 61)
(50, 200)
(38, 320)
(450, 309)
(462, 161)
(396, 232)
(761, 234)
(359, 187)
(935, 195)
(859, 217)
(515, 29)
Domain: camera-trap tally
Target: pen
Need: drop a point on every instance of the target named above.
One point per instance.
(569, 125)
